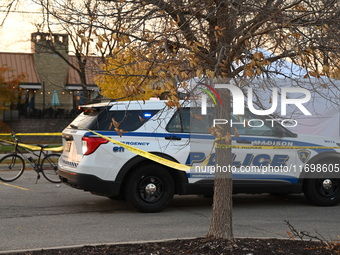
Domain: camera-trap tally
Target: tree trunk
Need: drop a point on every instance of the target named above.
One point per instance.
(221, 220)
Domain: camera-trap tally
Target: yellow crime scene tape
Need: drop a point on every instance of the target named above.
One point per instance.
(37, 134)
(34, 147)
(146, 154)
(182, 167)
(156, 158)
(263, 147)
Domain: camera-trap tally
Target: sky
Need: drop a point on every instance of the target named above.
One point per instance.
(15, 34)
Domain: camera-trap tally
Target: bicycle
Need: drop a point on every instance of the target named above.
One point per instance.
(13, 165)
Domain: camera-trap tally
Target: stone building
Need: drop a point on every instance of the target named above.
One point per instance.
(48, 71)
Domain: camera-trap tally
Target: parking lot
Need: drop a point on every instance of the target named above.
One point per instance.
(48, 215)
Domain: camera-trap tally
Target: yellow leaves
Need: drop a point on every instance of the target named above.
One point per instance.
(258, 56)
(120, 131)
(173, 103)
(197, 116)
(258, 71)
(172, 97)
(184, 76)
(125, 39)
(247, 43)
(130, 75)
(218, 31)
(300, 7)
(198, 44)
(199, 72)
(192, 63)
(121, 39)
(178, 19)
(228, 138)
(114, 124)
(248, 71)
(9, 86)
(210, 73)
(314, 74)
(216, 132)
(194, 46)
(236, 133)
(290, 235)
(325, 69)
(101, 40)
(264, 62)
(83, 39)
(336, 73)
(296, 35)
(174, 23)
(309, 51)
(256, 65)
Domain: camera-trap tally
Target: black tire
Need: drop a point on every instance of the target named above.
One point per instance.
(149, 188)
(11, 167)
(322, 191)
(49, 168)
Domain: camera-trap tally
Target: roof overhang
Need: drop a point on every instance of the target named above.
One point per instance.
(30, 86)
(79, 87)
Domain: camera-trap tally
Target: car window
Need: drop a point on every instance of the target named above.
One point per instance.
(129, 120)
(86, 119)
(189, 120)
(175, 123)
(246, 125)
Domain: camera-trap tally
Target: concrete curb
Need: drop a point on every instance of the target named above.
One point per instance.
(94, 244)
(119, 243)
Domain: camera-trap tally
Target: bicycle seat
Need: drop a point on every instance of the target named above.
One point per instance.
(42, 145)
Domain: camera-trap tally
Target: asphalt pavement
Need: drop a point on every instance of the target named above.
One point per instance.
(47, 215)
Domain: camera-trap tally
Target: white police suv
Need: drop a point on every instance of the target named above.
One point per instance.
(267, 158)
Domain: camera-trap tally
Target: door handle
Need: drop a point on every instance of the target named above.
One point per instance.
(173, 137)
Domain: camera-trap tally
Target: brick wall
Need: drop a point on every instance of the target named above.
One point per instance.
(39, 126)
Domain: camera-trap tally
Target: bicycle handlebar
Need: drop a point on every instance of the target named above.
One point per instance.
(14, 137)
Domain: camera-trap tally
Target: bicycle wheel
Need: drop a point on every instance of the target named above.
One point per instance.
(11, 167)
(49, 168)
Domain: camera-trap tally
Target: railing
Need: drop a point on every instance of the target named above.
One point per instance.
(49, 113)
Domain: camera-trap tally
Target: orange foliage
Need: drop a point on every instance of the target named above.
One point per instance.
(9, 87)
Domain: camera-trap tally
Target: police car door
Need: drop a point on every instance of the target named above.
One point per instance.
(254, 160)
(257, 156)
(201, 155)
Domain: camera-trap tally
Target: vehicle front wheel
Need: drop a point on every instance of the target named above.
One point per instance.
(322, 191)
(149, 188)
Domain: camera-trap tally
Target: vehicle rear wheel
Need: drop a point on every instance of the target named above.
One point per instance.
(149, 188)
(322, 191)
